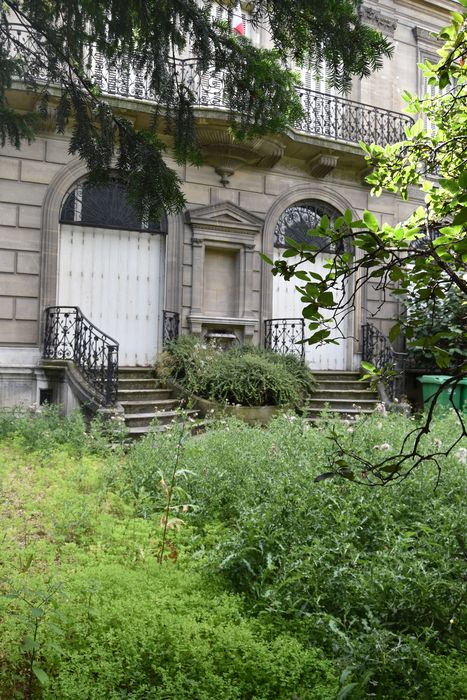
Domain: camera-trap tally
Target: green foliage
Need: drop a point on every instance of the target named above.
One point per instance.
(45, 430)
(100, 618)
(335, 581)
(421, 260)
(259, 91)
(374, 576)
(426, 319)
(246, 375)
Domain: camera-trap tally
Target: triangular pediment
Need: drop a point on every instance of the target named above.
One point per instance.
(224, 215)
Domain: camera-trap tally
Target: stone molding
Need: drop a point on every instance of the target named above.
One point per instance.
(60, 185)
(226, 155)
(229, 227)
(321, 165)
(384, 23)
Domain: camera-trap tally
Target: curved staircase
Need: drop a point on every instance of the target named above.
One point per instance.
(144, 399)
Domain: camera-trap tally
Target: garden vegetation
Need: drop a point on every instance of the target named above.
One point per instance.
(245, 375)
(217, 567)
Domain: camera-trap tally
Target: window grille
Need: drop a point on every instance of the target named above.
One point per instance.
(297, 220)
(105, 206)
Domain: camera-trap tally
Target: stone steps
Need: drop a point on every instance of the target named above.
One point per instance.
(342, 393)
(144, 399)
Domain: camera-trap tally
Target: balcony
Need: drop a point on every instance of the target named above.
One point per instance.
(327, 116)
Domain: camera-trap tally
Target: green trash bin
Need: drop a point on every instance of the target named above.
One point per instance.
(463, 388)
(448, 396)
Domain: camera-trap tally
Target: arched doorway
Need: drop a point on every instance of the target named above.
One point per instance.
(294, 223)
(111, 264)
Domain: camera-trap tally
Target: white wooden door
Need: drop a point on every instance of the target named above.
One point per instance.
(116, 279)
(287, 304)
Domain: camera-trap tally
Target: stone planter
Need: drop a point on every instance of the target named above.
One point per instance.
(253, 415)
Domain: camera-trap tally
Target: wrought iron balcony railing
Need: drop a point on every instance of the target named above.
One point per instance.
(285, 335)
(324, 115)
(377, 349)
(71, 336)
(329, 116)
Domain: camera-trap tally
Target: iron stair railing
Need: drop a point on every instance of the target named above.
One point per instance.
(69, 335)
(377, 349)
(285, 335)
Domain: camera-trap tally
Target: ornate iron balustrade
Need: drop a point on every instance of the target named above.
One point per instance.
(377, 349)
(285, 335)
(325, 115)
(69, 335)
(170, 326)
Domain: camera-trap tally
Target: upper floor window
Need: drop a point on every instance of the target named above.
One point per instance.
(297, 220)
(240, 20)
(105, 206)
(310, 80)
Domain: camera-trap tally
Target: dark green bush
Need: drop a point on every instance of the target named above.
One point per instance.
(251, 381)
(245, 375)
(426, 318)
(292, 363)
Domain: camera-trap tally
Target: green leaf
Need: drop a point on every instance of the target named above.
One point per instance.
(394, 332)
(41, 675)
(29, 644)
(345, 691)
(326, 299)
(391, 468)
(323, 477)
(371, 221)
(266, 259)
(318, 337)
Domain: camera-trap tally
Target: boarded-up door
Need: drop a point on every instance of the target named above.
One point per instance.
(116, 278)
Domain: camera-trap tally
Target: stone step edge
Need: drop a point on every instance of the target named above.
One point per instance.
(156, 402)
(157, 414)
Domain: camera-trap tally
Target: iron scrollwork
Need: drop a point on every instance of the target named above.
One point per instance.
(297, 220)
(285, 336)
(129, 76)
(170, 327)
(377, 349)
(69, 335)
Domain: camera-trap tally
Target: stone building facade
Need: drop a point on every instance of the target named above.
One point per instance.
(204, 265)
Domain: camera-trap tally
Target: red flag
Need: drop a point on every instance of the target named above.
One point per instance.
(237, 20)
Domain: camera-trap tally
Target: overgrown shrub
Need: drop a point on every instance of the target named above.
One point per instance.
(245, 375)
(46, 429)
(426, 319)
(374, 576)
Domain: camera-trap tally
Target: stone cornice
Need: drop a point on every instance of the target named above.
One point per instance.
(386, 24)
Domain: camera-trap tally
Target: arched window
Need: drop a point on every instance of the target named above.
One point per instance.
(105, 206)
(297, 220)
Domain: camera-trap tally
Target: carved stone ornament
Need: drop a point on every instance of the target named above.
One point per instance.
(387, 25)
(321, 165)
(226, 155)
(426, 38)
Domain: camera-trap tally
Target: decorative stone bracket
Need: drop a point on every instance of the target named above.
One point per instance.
(321, 165)
(226, 155)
